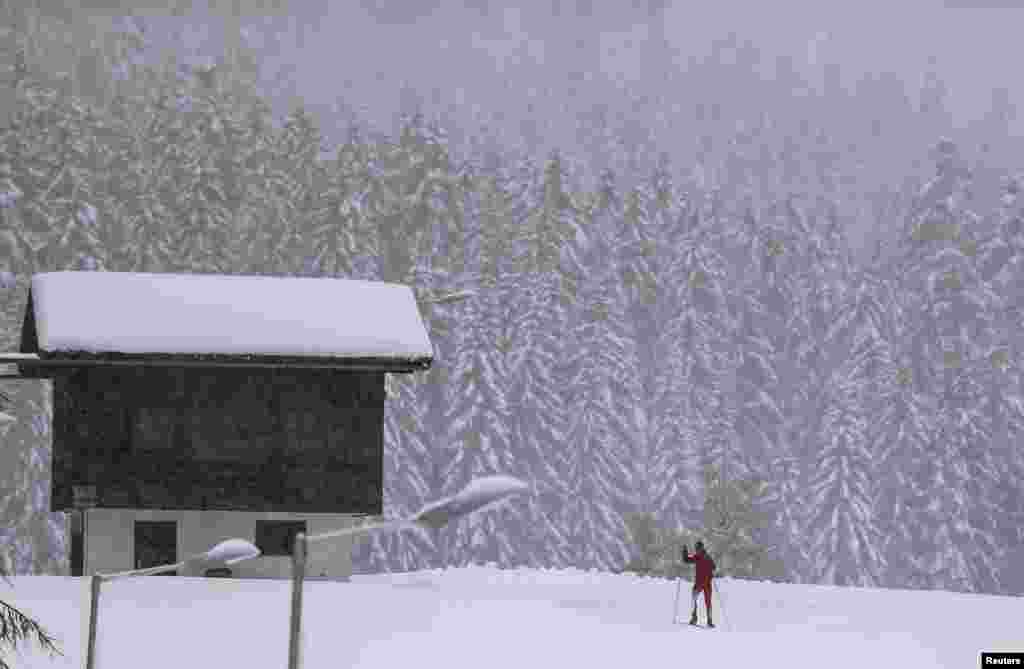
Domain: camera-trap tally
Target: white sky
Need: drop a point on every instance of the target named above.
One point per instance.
(976, 49)
(362, 51)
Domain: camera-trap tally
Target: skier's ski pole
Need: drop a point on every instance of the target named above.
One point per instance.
(721, 605)
(675, 607)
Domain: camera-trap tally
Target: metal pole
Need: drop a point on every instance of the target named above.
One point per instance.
(94, 599)
(85, 541)
(359, 529)
(721, 604)
(675, 607)
(298, 576)
(148, 571)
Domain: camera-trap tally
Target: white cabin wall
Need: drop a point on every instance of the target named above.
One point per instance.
(110, 544)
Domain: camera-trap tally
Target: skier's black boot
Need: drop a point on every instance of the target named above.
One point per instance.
(710, 624)
(693, 617)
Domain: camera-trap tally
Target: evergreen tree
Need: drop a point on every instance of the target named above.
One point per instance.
(846, 471)
(208, 180)
(407, 464)
(844, 537)
(25, 509)
(655, 213)
(534, 320)
(781, 244)
(17, 628)
(477, 412)
(733, 518)
(690, 346)
(901, 438)
(1003, 403)
(407, 174)
(955, 327)
(600, 435)
(50, 165)
(336, 217)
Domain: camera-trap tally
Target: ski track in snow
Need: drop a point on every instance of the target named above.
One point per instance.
(483, 616)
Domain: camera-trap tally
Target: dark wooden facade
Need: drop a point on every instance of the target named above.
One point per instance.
(242, 438)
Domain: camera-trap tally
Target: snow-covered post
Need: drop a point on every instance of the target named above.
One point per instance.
(225, 553)
(479, 494)
(94, 600)
(298, 577)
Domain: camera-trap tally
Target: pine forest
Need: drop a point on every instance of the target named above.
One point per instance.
(789, 307)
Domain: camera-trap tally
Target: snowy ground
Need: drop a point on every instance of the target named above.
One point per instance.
(484, 617)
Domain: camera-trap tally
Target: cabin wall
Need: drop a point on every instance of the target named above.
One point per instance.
(268, 440)
(110, 540)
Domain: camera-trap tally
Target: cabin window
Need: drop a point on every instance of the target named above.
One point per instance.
(277, 537)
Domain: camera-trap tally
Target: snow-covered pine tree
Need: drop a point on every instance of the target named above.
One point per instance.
(408, 186)
(552, 225)
(16, 628)
(209, 177)
(406, 176)
(984, 403)
(434, 274)
(734, 515)
(780, 244)
(976, 467)
(505, 197)
(844, 537)
(818, 284)
(478, 436)
(986, 408)
(50, 188)
(687, 386)
(860, 335)
(145, 134)
(901, 438)
(337, 226)
(478, 433)
(755, 416)
(600, 398)
(949, 338)
(559, 227)
(654, 218)
(587, 512)
(1004, 401)
(903, 431)
(37, 195)
(36, 537)
(537, 318)
(406, 487)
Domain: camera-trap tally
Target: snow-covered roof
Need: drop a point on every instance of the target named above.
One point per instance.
(104, 313)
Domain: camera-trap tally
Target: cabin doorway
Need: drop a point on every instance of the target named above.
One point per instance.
(156, 543)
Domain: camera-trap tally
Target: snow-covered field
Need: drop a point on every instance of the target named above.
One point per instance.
(485, 617)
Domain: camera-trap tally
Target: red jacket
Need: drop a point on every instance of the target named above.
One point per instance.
(705, 567)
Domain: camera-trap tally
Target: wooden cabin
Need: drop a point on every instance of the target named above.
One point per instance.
(188, 409)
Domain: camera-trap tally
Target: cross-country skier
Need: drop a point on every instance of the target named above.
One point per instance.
(702, 583)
